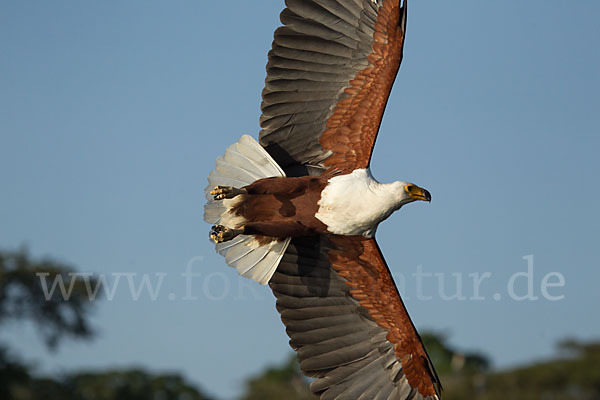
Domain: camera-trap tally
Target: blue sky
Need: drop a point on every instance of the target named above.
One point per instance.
(113, 113)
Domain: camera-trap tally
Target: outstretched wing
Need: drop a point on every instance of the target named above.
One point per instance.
(346, 320)
(329, 76)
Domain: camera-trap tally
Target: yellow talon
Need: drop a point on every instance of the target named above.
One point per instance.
(225, 192)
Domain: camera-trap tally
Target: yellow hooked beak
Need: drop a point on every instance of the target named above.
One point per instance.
(417, 193)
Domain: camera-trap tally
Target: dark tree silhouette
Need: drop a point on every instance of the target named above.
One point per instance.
(22, 296)
(279, 382)
(59, 314)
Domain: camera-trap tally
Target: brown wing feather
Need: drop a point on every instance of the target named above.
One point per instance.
(352, 129)
(347, 322)
(361, 263)
(330, 72)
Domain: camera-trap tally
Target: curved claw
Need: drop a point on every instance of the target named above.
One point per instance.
(225, 192)
(220, 233)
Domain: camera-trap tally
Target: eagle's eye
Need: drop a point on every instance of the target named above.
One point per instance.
(409, 188)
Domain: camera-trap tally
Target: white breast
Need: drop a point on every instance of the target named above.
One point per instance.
(355, 203)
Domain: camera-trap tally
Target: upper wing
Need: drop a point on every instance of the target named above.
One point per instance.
(329, 76)
(348, 324)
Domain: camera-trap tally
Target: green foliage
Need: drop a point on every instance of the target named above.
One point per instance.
(575, 376)
(22, 297)
(131, 385)
(12, 373)
(448, 360)
(111, 385)
(283, 382)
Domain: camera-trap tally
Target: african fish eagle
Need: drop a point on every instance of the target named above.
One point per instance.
(299, 209)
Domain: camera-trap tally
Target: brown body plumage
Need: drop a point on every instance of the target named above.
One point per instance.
(282, 207)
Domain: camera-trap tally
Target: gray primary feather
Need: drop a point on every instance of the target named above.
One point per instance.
(319, 50)
(337, 341)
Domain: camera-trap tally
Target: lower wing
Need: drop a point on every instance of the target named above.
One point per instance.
(347, 322)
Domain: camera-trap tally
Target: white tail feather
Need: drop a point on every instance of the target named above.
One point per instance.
(243, 163)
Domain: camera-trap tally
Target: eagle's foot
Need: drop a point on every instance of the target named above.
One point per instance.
(220, 233)
(226, 192)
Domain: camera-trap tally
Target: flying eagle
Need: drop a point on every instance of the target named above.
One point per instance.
(299, 211)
